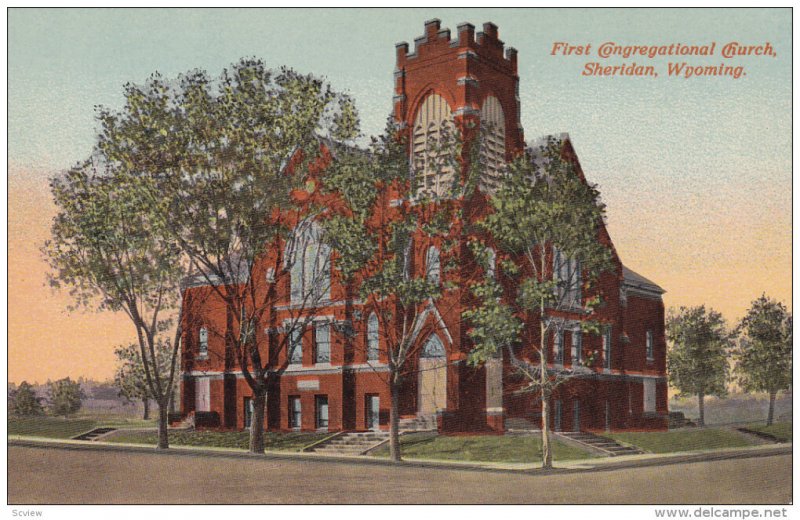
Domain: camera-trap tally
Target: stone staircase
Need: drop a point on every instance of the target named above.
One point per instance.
(596, 443)
(420, 423)
(352, 443)
(93, 434)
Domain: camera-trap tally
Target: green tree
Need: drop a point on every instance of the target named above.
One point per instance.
(130, 377)
(380, 219)
(24, 401)
(65, 397)
(109, 248)
(545, 220)
(764, 352)
(234, 160)
(697, 358)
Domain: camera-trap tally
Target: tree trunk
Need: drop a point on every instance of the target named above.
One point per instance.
(257, 422)
(394, 420)
(771, 413)
(163, 440)
(547, 455)
(701, 403)
(146, 403)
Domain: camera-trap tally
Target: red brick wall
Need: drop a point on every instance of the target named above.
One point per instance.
(464, 71)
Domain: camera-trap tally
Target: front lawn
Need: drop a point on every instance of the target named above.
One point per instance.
(218, 439)
(484, 448)
(60, 428)
(782, 431)
(684, 440)
(55, 427)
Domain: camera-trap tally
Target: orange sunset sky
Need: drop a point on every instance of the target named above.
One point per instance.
(696, 173)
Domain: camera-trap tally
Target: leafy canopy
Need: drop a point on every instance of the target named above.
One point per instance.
(65, 396)
(130, 377)
(764, 353)
(541, 203)
(697, 360)
(24, 401)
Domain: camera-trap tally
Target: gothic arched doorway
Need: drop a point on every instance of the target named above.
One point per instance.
(432, 377)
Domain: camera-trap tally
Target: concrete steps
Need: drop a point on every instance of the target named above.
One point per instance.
(420, 423)
(353, 443)
(94, 434)
(603, 445)
(764, 436)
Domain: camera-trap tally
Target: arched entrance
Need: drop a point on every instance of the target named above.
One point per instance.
(432, 377)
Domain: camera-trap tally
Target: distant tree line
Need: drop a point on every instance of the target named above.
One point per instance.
(64, 398)
(702, 346)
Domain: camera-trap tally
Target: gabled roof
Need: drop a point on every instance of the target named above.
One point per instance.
(633, 280)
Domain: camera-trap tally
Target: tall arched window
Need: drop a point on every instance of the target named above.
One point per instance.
(432, 125)
(433, 266)
(493, 144)
(373, 344)
(309, 260)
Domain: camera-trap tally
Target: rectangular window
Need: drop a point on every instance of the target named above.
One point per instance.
(558, 347)
(649, 396)
(295, 412)
(248, 411)
(373, 412)
(322, 412)
(296, 346)
(322, 342)
(650, 345)
(577, 346)
(607, 346)
(576, 416)
(373, 338)
(557, 415)
(203, 343)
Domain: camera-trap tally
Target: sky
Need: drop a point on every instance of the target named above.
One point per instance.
(696, 173)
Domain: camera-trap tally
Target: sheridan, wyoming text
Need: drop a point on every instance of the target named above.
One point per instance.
(678, 69)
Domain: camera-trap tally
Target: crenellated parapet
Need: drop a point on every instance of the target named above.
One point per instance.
(437, 41)
(464, 69)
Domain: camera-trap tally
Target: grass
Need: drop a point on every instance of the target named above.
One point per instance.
(218, 439)
(60, 428)
(485, 448)
(782, 430)
(684, 440)
(736, 408)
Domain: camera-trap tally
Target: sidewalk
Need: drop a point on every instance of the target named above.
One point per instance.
(585, 465)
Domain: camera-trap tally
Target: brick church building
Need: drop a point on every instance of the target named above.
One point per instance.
(329, 385)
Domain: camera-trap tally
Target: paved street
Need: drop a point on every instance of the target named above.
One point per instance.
(58, 476)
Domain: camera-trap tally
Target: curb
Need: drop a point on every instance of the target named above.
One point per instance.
(586, 466)
(268, 455)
